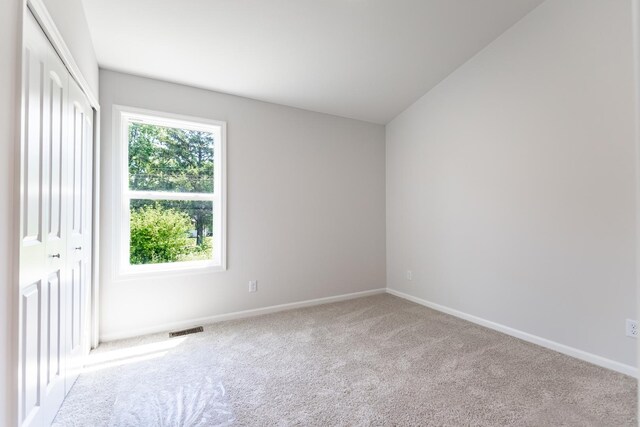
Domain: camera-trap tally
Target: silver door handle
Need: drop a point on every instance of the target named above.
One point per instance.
(54, 256)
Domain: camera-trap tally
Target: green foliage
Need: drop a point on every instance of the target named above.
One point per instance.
(170, 159)
(158, 235)
(200, 252)
(205, 247)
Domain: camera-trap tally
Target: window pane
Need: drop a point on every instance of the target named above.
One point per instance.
(170, 159)
(164, 231)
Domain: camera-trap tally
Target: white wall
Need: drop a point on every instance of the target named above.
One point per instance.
(10, 30)
(305, 209)
(510, 186)
(71, 22)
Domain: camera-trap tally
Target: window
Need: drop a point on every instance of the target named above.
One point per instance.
(172, 191)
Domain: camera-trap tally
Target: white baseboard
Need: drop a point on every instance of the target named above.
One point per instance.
(552, 345)
(235, 315)
(561, 348)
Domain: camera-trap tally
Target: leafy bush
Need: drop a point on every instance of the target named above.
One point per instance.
(198, 252)
(158, 235)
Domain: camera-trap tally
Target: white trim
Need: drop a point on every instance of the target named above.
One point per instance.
(636, 69)
(45, 20)
(95, 252)
(9, 410)
(534, 339)
(123, 195)
(236, 315)
(149, 271)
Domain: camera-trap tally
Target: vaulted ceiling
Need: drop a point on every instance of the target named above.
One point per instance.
(363, 59)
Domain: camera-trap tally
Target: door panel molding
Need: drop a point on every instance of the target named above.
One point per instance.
(55, 202)
(31, 334)
(38, 9)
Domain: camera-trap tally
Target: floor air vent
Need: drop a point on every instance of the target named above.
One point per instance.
(186, 332)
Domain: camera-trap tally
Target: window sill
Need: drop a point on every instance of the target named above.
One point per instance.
(172, 269)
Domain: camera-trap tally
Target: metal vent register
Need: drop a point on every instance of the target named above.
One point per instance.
(186, 332)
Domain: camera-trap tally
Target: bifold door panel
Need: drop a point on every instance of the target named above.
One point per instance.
(79, 230)
(55, 195)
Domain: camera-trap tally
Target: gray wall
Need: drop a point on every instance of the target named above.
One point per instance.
(305, 209)
(510, 186)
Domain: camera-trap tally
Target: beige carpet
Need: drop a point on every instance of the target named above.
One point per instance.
(372, 361)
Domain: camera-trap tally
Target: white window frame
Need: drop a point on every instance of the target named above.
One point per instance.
(122, 116)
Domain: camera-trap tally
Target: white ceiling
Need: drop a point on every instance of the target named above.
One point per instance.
(363, 59)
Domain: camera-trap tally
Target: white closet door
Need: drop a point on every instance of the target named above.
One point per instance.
(43, 230)
(56, 209)
(55, 171)
(79, 223)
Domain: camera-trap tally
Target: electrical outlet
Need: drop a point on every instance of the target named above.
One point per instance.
(409, 275)
(632, 328)
(253, 286)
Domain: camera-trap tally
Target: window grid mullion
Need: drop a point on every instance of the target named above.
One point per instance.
(166, 195)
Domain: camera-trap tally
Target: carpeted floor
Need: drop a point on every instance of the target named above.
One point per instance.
(378, 360)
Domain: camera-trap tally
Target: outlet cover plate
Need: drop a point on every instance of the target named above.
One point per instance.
(253, 286)
(632, 328)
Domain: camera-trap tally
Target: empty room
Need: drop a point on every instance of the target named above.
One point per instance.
(319, 213)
